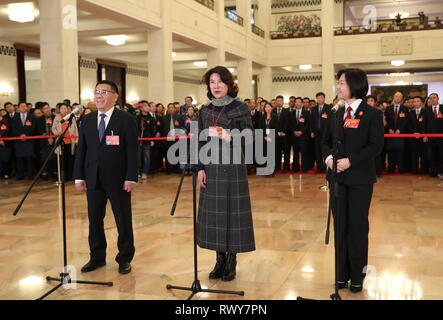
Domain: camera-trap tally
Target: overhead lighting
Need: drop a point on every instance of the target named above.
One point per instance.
(5, 90)
(116, 40)
(21, 12)
(200, 63)
(231, 70)
(398, 74)
(87, 95)
(133, 97)
(398, 63)
(253, 82)
(403, 15)
(173, 54)
(305, 67)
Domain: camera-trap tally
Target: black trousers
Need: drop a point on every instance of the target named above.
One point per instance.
(20, 174)
(282, 146)
(351, 229)
(300, 146)
(321, 166)
(121, 207)
(418, 158)
(396, 152)
(435, 146)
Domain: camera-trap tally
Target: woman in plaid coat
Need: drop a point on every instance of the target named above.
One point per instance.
(224, 217)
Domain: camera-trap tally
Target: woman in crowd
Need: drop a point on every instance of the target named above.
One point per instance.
(268, 122)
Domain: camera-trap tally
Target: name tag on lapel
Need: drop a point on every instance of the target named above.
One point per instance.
(213, 132)
(351, 123)
(302, 120)
(440, 115)
(112, 140)
(28, 123)
(402, 115)
(324, 115)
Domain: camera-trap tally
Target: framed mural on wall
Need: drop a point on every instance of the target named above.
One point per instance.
(290, 22)
(386, 93)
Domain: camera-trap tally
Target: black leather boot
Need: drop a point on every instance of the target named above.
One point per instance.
(217, 272)
(231, 264)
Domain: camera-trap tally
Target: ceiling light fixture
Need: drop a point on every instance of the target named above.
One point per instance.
(200, 63)
(305, 67)
(21, 12)
(116, 40)
(231, 70)
(398, 74)
(398, 63)
(173, 54)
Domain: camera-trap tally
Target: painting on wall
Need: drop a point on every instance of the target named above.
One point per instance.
(297, 22)
(386, 93)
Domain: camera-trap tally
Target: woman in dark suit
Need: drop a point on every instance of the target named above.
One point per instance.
(360, 140)
(268, 121)
(224, 213)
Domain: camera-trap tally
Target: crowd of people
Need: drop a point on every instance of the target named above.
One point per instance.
(298, 131)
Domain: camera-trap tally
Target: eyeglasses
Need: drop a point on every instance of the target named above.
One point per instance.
(102, 92)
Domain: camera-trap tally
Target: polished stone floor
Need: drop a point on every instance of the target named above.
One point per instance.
(290, 214)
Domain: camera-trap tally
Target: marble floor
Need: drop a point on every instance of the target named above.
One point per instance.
(290, 214)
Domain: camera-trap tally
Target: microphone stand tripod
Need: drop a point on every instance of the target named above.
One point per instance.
(196, 287)
(333, 204)
(65, 277)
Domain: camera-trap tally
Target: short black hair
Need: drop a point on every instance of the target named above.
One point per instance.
(434, 94)
(247, 100)
(299, 98)
(320, 94)
(279, 97)
(6, 103)
(109, 83)
(370, 97)
(291, 97)
(306, 98)
(419, 97)
(189, 98)
(357, 81)
(144, 101)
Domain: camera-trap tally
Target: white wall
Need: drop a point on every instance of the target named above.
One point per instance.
(183, 89)
(8, 75)
(297, 89)
(136, 85)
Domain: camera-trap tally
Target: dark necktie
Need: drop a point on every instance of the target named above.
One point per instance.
(319, 117)
(349, 115)
(395, 116)
(435, 113)
(298, 116)
(101, 127)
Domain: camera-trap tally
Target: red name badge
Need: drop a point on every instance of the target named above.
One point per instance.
(402, 115)
(176, 123)
(28, 123)
(112, 140)
(49, 121)
(440, 116)
(3, 127)
(158, 123)
(188, 120)
(420, 119)
(302, 120)
(324, 116)
(213, 132)
(351, 123)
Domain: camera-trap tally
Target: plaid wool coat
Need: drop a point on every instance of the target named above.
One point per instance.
(224, 215)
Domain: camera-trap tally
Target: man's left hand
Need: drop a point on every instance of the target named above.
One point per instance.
(129, 186)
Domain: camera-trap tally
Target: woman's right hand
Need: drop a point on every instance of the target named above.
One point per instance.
(202, 178)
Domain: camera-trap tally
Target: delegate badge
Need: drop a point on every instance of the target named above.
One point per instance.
(213, 132)
(112, 140)
(351, 123)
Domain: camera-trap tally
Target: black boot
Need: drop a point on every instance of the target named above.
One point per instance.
(231, 264)
(217, 272)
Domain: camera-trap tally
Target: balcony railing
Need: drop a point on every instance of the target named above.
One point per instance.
(233, 16)
(295, 34)
(207, 3)
(385, 27)
(257, 31)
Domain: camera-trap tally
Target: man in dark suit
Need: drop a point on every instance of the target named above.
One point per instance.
(299, 124)
(23, 125)
(282, 131)
(106, 168)
(256, 117)
(319, 117)
(417, 146)
(397, 122)
(433, 118)
(170, 122)
(359, 130)
(46, 145)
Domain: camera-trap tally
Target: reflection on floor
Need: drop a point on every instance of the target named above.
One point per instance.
(405, 251)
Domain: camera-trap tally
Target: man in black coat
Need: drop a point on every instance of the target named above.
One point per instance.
(417, 146)
(319, 117)
(397, 122)
(106, 168)
(299, 125)
(433, 123)
(23, 125)
(282, 135)
(46, 145)
(170, 122)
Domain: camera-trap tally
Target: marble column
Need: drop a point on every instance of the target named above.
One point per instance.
(160, 64)
(244, 76)
(217, 56)
(263, 16)
(59, 50)
(328, 72)
(265, 83)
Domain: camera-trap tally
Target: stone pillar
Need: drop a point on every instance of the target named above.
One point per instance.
(59, 50)
(216, 56)
(160, 64)
(244, 76)
(265, 83)
(328, 72)
(264, 16)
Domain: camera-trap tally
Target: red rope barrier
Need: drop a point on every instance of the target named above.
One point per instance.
(389, 135)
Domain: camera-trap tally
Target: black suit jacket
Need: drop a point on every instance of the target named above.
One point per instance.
(256, 119)
(431, 124)
(24, 148)
(166, 121)
(361, 145)
(282, 121)
(303, 125)
(113, 164)
(315, 116)
(273, 123)
(416, 124)
(402, 118)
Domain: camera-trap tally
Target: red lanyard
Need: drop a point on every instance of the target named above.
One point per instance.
(213, 121)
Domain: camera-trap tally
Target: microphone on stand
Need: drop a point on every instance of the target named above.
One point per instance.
(72, 113)
(338, 106)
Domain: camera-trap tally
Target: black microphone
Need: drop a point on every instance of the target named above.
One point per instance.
(72, 113)
(338, 106)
